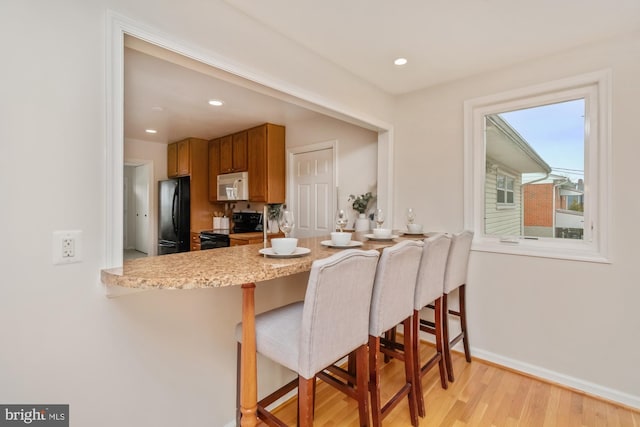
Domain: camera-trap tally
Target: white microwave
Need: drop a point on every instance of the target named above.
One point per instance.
(233, 186)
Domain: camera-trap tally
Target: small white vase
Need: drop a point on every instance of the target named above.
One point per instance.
(362, 223)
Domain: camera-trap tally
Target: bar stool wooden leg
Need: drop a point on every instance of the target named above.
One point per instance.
(445, 338)
(463, 322)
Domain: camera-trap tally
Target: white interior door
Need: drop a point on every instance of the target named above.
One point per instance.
(314, 192)
(141, 195)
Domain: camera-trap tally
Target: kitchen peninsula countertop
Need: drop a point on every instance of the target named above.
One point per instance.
(232, 266)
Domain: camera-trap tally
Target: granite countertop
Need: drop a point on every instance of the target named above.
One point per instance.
(230, 266)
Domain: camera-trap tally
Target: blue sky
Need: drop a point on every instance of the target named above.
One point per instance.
(556, 133)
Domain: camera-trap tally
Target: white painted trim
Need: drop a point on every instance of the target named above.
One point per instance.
(595, 87)
(556, 377)
(117, 26)
(385, 196)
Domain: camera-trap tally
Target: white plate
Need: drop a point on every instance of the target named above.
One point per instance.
(382, 239)
(406, 233)
(271, 254)
(351, 244)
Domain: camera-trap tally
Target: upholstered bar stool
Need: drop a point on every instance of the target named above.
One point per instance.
(429, 292)
(308, 336)
(392, 304)
(456, 278)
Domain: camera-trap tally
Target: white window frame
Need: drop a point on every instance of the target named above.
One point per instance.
(595, 88)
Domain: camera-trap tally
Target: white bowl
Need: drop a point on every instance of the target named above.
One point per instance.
(284, 245)
(340, 239)
(414, 228)
(381, 233)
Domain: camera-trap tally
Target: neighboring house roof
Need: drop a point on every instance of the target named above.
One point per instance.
(565, 185)
(506, 146)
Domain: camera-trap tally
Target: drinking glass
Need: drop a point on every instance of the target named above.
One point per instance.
(379, 217)
(341, 219)
(286, 221)
(411, 216)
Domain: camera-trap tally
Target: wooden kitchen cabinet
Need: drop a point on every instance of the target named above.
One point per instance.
(251, 238)
(233, 153)
(179, 158)
(195, 241)
(190, 157)
(266, 163)
(214, 168)
(172, 160)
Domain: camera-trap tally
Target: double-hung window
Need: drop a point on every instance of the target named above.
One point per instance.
(504, 190)
(537, 169)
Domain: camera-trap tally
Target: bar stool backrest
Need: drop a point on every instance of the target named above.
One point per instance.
(458, 261)
(433, 264)
(335, 317)
(394, 286)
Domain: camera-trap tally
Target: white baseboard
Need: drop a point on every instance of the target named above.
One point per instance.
(562, 379)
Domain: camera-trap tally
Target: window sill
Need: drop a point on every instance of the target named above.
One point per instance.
(505, 206)
(542, 248)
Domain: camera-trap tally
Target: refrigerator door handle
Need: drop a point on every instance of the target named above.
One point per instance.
(173, 210)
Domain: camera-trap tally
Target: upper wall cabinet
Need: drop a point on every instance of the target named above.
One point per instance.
(179, 158)
(233, 153)
(266, 164)
(214, 168)
(189, 158)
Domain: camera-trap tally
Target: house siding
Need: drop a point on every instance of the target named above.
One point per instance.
(504, 221)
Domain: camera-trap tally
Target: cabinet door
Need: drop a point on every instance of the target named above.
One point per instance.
(239, 152)
(267, 164)
(237, 242)
(172, 160)
(257, 141)
(184, 157)
(214, 162)
(226, 154)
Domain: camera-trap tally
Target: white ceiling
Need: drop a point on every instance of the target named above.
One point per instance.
(443, 40)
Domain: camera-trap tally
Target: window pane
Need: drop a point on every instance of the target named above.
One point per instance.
(510, 184)
(510, 197)
(543, 147)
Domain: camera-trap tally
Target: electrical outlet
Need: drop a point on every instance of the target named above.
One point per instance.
(67, 246)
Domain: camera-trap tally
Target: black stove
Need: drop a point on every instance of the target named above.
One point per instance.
(243, 222)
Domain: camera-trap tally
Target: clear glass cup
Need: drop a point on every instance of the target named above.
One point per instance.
(286, 221)
(379, 217)
(411, 216)
(341, 219)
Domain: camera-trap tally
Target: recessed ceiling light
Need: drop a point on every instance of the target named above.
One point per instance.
(400, 61)
(215, 102)
(151, 131)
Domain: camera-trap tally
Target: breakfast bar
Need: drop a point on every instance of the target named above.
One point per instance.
(233, 266)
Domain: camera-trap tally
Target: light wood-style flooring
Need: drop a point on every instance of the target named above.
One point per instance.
(482, 395)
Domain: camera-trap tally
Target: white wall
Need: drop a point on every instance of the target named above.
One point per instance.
(576, 322)
(167, 358)
(357, 152)
(153, 358)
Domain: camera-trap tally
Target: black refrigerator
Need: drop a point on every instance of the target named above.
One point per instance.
(173, 216)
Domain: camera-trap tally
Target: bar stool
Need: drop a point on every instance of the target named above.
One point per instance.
(429, 292)
(456, 278)
(308, 336)
(392, 304)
